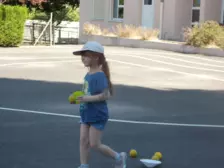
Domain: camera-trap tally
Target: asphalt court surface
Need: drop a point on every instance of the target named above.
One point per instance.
(172, 103)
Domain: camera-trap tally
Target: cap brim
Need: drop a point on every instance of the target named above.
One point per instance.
(79, 52)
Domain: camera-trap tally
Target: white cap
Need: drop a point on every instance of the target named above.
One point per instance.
(91, 46)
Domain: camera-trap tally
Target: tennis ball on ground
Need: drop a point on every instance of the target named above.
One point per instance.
(155, 157)
(133, 153)
(158, 154)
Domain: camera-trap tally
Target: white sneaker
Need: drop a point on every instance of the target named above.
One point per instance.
(122, 162)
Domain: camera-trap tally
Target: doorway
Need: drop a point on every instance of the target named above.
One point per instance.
(148, 13)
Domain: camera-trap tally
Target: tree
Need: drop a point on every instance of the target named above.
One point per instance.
(2, 1)
(46, 3)
(59, 8)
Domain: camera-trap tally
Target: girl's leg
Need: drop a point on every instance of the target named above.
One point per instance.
(84, 145)
(95, 142)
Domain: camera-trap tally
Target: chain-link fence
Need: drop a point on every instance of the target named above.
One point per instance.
(62, 34)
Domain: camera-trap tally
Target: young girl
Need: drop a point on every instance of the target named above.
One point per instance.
(93, 106)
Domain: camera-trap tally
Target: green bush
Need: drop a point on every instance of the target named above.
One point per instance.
(207, 33)
(12, 20)
(220, 39)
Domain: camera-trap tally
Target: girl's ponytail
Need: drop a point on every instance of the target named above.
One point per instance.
(106, 70)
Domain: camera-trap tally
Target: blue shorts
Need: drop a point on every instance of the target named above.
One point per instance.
(100, 125)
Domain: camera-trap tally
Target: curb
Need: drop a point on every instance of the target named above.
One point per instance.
(136, 43)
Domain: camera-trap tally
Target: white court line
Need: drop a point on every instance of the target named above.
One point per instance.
(168, 63)
(34, 58)
(40, 62)
(122, 62)
(114, 120)
(196, 56)
(165, 69)
(145, 56)
(124, 50)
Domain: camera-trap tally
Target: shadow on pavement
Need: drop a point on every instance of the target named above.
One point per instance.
(41, 141)
(191, 106)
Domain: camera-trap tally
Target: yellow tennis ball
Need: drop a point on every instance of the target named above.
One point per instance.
(159, 154)
(77, 94)
(155, 157)
(133, 153)
(71, 99)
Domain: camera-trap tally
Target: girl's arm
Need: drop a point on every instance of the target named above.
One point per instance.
(105, 95)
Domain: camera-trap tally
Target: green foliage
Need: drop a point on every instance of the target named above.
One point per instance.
(67, 13)
(12, 20)
(220, 39)
(67, 10)
(207, 33)
(56, 5)
(62, 10)
(37, 15)
(72, 14)
(11, 2)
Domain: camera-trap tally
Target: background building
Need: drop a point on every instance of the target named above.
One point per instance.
(177, 14)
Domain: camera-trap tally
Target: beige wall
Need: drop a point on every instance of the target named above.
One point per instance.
(210, 10)
(168, 20)
(177, 15)
(85, 13)
(222, 17)
(183, 17)
(132, 12)
(157, 14)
